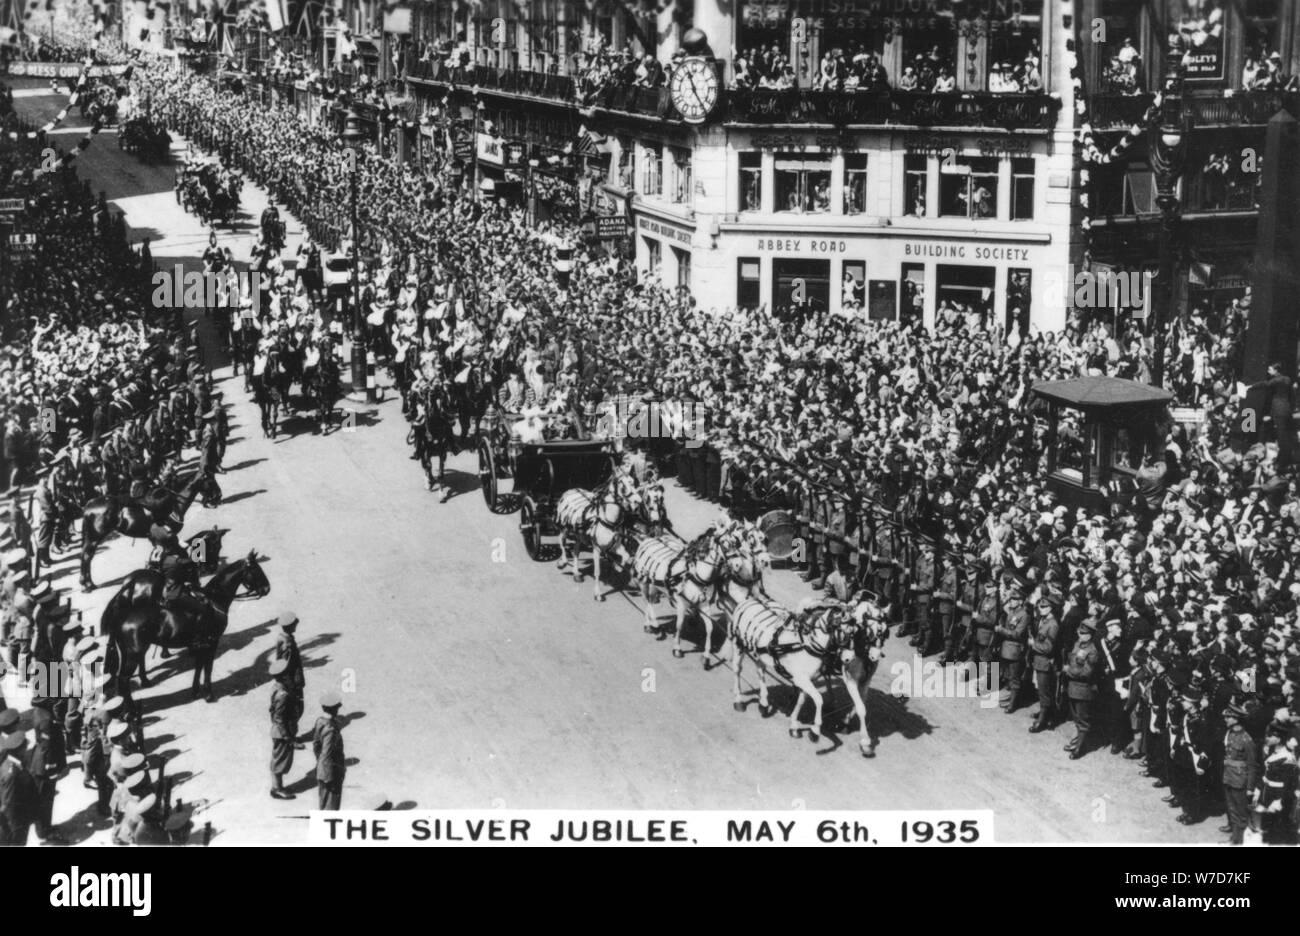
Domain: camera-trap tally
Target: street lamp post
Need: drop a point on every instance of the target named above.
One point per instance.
(1167, 158)
(353, 136)
(532, 192)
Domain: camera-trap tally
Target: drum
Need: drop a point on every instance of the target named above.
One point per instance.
(779, 528)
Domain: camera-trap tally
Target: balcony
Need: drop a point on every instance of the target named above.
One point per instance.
(1112, 111)
(1243, 108)
(903, 108)
(507, 81)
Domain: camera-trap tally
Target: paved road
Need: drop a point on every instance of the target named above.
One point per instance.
(476, 677)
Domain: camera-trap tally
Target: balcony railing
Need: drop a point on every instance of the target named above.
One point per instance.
(909, 108)
(1243, 108)
(1111, 111)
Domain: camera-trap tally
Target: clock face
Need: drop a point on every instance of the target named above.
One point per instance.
(694, 89)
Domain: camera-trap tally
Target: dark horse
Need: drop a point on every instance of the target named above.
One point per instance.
(431, 431)
(471, 400)
(103, 516)
(135, 620)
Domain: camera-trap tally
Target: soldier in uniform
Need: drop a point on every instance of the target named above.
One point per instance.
(285, 712)
(1082, 670)
(984, 636)
(803, 517)
(968, 599)
(286, 648)
(1113, 687)
(917, 622)
(328, 746)
(1240, 773)
(816, 545)
(1137, 705)
(1044, 649)
(943, 621)
(1187, 757)
(884, 566)
(45, 763)
(1013, 632)
(1159, 690)
(19, 802)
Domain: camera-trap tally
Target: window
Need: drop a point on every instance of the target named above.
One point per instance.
(1140, 191)
(969, 188)
(853, 285)
(803, 185)
(652, 171)
(1019, 296)
(681, 190)
(683, 258)
(1014, 57)
(751, 181)
(916, 170)
(625, 170)
(654, 257)
(1022, 189)
(1262, 35)
(855, 184)
(926, 54)
(748, 283)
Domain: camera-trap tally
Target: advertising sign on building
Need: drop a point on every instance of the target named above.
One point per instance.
(490, 150)
(1201, 24)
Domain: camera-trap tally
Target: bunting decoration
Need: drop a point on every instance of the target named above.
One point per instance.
(63, 113)
(95, 128)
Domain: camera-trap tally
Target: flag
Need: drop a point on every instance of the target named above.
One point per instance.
(277, 14)
(344, 48)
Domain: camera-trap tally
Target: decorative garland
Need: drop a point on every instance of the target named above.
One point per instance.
(61, 115)
(1090, 152)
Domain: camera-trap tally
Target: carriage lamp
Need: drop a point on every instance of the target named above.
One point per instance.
(353, 136)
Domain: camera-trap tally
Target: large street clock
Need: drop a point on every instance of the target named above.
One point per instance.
(694, 88)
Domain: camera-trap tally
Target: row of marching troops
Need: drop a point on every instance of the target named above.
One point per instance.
(138, 451)
(1177, 707)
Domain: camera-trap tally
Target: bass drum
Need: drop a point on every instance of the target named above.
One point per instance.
(779, 528)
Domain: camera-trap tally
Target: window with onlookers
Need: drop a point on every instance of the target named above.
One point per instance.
(968, 187)
(803, 185)
(652, 173)
(680, 192)
(855, 183)
(916, 168)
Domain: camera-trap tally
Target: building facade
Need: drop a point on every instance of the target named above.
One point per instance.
(887, 158)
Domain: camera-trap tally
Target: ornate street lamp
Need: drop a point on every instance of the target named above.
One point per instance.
(354, 136)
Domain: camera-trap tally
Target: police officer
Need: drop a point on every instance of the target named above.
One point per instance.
(1082, 670)
(1044, 649)
(945, 603)
(285, 712)
(1240, 773)
(968, 600)
(328, 746)
(1013, 632)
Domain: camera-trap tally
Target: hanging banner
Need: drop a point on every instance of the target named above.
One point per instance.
(1201, 25)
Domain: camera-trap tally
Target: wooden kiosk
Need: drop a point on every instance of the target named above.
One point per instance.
(1099, 427)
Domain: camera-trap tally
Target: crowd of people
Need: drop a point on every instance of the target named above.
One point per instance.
(912, 459)
(97, 395)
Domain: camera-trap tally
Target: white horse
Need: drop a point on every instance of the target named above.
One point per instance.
(597, 519)
(799, 647)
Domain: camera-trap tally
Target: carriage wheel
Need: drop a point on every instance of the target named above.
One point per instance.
(487, 475)
(529, 529)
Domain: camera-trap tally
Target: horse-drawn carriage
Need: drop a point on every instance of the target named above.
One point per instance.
(141, 136)
(504, 435)
(209, 191)
(545, 470)
(517, 447)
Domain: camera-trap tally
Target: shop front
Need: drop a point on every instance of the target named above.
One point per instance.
(887, 274)
(663, 247)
